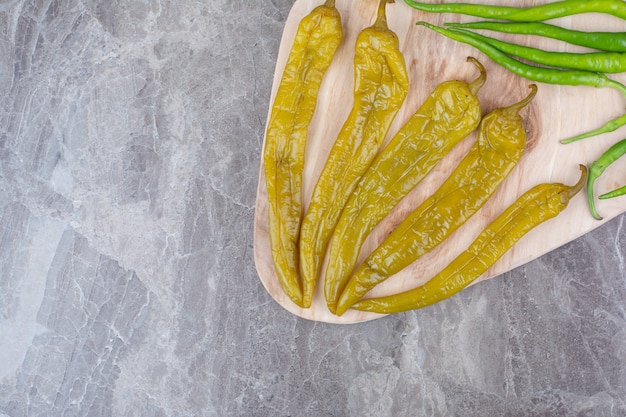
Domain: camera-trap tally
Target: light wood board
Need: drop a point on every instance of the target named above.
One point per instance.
(557, 112)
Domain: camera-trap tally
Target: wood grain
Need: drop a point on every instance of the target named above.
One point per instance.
(556, 113)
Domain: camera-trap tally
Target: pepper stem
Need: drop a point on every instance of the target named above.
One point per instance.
(615, 84)
(476, 85)
(330, 3)
(381, 19)
(574, 189)
(516, 107)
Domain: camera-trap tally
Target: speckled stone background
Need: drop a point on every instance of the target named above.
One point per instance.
(130, 138)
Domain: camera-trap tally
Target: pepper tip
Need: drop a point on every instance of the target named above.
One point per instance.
(516, 107)
(477, 84)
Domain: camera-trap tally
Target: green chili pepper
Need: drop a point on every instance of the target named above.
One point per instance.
(380, 87)
(529, 14)
(541, 74)
(450, 113)
(602, 41)
(605, 62)
(530, 72)
(541, 203)
(598, 167)
(501, 142)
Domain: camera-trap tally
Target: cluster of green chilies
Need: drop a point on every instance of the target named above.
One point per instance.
(360, 183)
(562, 68)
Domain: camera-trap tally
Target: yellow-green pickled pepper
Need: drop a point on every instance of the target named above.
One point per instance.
(501, 142)
(318, 37)
(537, 205)
(450, 113)
(380, 87)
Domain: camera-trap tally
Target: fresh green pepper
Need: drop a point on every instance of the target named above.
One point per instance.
(529, 14)
(501, 142)
(541, 203)
(542, 74)
(531, 72)
(381, 85)
(602, 41)
(597, 168)
(604, 62)
(450, 113)
(318, 37)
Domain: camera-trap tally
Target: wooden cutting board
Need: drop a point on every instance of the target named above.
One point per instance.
(556, 113)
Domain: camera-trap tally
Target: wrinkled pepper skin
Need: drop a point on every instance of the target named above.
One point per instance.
(501, 142)
(318, 37)
(539, 204)
(381, 85)
(450, 113)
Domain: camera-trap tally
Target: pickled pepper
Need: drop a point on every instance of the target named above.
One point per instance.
(318, 37)
(501, 142)
(450, 113)
(541, 203)
(380, 87)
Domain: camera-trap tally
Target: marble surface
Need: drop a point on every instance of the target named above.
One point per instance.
(130, 138)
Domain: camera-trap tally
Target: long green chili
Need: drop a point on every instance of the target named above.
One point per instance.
(541, 74)
(530, 72)
(602, 41)
(529, 14)
(605, 62)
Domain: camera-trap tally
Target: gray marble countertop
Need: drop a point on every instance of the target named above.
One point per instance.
(130, 139)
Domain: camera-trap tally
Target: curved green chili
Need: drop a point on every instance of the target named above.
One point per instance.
(602, 41)
(530, 72)
(598, 167)
(539, 204)
(541, 74)
(605, 62)
(528, 14)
